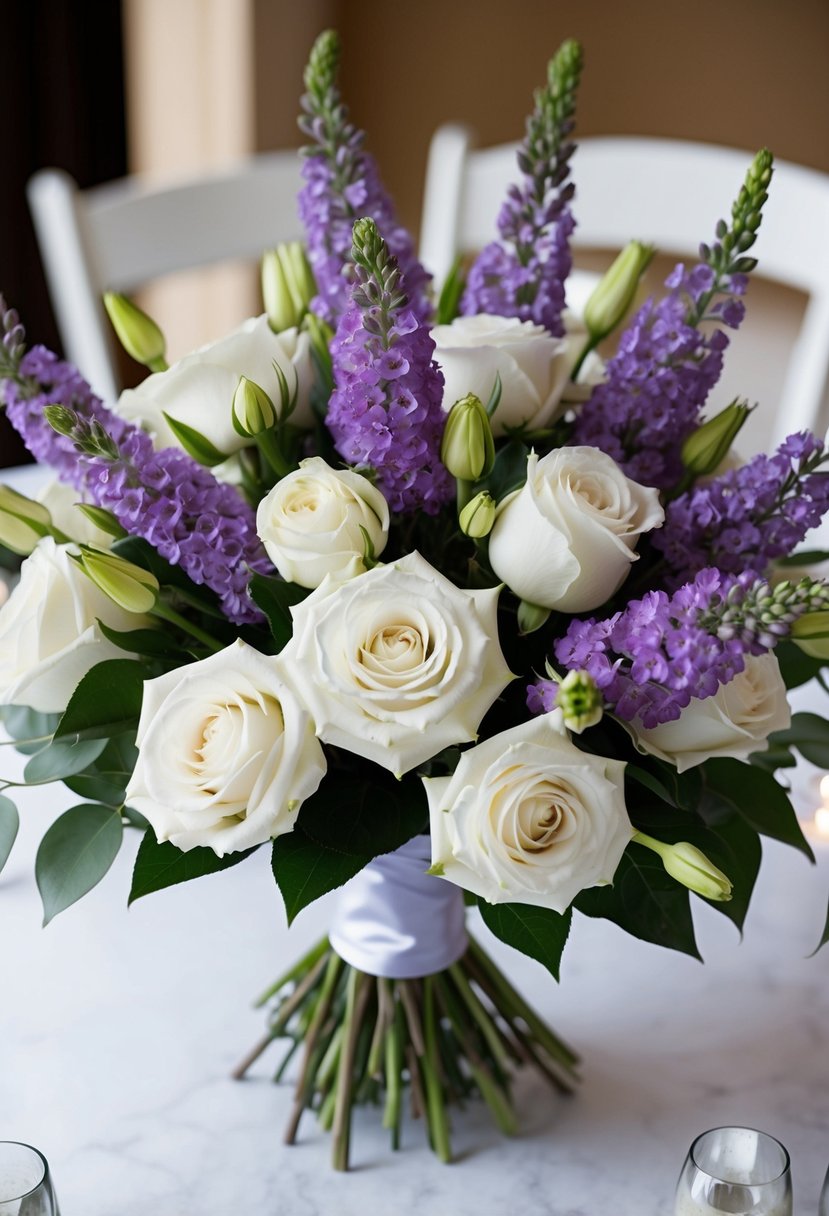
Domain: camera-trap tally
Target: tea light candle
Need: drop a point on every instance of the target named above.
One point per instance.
(817, 828)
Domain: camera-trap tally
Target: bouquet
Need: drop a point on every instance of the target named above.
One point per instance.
(425, 600)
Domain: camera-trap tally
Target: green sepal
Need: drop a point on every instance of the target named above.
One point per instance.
(75, 854)
(195, 444)
(163, 865)
(540, 933)
(102, 519)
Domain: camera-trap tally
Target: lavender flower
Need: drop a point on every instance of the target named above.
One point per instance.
(523, 274)
(650, 660)
(385, 412)
(165, 497)
(341, 184)
(664, 368)
(748, 516)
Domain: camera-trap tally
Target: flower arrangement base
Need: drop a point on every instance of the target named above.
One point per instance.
(445, 1037)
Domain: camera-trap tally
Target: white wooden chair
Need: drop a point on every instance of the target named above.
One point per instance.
(121, 235)
(661, 191)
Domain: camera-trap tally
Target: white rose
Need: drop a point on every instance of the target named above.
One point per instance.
(396, 664)
(566, 539)
(49, 636)
(226, 754)
(198, 390)
(310, 522)
(533, 365)
(735, 722)
(528, 817)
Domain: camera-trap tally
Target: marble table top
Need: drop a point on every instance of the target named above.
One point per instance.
(119, 1029)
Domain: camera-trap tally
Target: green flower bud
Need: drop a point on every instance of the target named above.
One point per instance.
(22, 522)
(531, 616)
(299, 274)
(478, 516)
(128, 585)
(705, 448)
(288, 285)
(580, 700)
(689, 865)
(138, 334)
(468, 449)
(253, 410)
(614, 294)
(811, 633)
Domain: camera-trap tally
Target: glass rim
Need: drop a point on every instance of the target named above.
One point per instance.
(733, 1127)
(41, 1179)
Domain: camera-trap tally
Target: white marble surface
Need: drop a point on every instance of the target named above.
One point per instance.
(118, 1029)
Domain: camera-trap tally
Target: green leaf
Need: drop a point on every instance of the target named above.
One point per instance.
(9, 823)
(106, 702)
(645, 902)
(163, 865)
(509, 471)
(753, 794)
(276, 597)
(806, 557)
(75, 854)
(64, 758)
(824, 936)
(650, 781)
(796, 667)
(156, 643)
(105, 780)
(450, 294)
(539, 933)
(339, 830)
(195, 444)
(28, 727)
(809, 733)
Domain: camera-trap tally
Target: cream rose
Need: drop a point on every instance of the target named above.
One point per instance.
(533, 365)
(49, 636)
(566, 539)
(529, 818)
(226, 754)
(198, 390)
(735, 722)
(310, 523)
(396, 664)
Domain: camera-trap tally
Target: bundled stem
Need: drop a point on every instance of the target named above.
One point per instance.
(448, 1036)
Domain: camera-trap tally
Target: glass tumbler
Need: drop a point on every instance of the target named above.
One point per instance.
(735, 1170)
(25, 1182)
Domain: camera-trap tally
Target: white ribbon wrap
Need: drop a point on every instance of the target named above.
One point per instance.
(395, 920)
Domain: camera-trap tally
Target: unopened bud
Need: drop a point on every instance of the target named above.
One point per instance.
(468, 449)
(138, 334)
(478, 516)
(131, 587)
(689, 865)
(22, 522)
(811, 633)
(253, 410)
(280, 304)
(705, 448)
(580, 701)
(613, 296)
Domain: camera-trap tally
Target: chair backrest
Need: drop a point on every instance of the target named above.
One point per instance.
(121, 235)
(661, 191)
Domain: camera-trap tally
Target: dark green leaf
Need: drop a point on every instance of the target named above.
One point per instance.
(156, 643)
(748, 791)
(105, 780)
(644, 901)
(509, 471)
(806, 557)
(809, 733)
(163, 865)
(9, 823)
(62, 759)
(539, 933)
(651, 782)
(339, 830)
(796, 667)
(75, 854)
(824, 936)
(106, 702)
(275, 597)
(30, 728)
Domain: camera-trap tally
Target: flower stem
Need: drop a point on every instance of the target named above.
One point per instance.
(166, 613)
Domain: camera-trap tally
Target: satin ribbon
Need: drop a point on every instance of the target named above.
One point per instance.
(395, 920)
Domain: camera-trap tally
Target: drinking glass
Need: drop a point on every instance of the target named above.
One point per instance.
(25, 1183)
(735, 1170)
